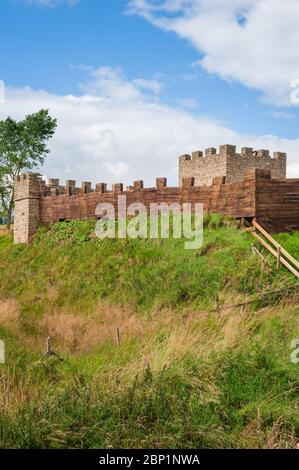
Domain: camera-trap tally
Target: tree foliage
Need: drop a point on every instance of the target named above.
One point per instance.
(23, 146)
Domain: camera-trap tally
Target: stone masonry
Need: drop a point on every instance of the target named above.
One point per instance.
(228, 163)
(27, 207)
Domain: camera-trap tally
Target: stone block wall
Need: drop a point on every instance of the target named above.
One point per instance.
(27, 207)
(227, 162)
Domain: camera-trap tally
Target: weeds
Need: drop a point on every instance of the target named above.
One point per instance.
(181, 377)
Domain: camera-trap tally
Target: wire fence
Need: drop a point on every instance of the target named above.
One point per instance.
(266, 296)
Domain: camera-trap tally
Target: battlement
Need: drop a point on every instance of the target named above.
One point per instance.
(39, 201)
(204, 166)
(27, 186)
(241, 185)
(230, 150)
(70, 188)
(200, 168)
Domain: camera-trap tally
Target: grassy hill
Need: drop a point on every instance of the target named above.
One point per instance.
(182, 375)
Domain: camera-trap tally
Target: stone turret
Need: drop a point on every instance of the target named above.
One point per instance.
(27, 191)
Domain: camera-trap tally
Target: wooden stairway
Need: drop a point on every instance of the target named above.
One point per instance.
(281, 255)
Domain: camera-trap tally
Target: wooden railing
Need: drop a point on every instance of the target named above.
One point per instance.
(281, 255)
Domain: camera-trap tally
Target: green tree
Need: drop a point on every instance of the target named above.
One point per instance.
(23, 146)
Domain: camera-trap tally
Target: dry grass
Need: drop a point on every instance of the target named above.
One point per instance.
(163, 337)
(74, 333)
(3, 230)
(160, 339)
(9, 312)
(256, 436)
(15, 391)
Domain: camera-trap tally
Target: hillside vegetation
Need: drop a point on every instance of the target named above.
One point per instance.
(183, 375)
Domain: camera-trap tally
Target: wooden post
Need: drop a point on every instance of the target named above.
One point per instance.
(244, 303)
(258, 253)
(118, 336)
(218, 304)
(49, 347)
(278, 257)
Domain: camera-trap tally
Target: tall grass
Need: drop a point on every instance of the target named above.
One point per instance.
(181, 376)
(67, 268)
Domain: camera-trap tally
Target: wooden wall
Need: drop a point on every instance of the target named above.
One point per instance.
(274, 202)
(277, 202)
(236, 199)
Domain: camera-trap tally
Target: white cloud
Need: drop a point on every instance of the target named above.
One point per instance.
(188, 103)
(110, 82)
(84, 99)
(148, 85)
(252, 41)
(115, 132)
(118, 169)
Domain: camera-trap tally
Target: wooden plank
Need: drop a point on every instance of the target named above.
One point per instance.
(276, 244)
(278, 257)
(259, 254)
(274, 253)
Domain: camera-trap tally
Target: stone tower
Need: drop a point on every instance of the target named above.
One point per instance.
(227, 162)
(27, 207)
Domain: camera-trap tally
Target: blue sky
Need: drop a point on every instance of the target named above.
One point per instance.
(155, 51)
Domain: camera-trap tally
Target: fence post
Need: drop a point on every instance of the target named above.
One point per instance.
(49, 350)
(218, 304)
(118, 336)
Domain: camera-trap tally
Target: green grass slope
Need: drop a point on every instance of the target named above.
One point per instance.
(182, 375)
